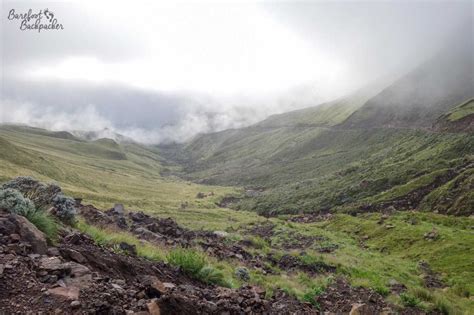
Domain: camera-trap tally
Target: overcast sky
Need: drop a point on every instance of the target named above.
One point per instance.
(161, 71)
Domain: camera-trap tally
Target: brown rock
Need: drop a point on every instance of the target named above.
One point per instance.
(74, 255)
(29, 233)
(159, 286)
(360, 309)
(153, 308)
(51, 264)
(70, 293)
(53, 251)
(15, 237)
(80, 276)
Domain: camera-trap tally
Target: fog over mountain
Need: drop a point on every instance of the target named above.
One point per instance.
(160, 72)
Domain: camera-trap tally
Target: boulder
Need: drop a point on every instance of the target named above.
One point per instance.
(20, 229)
(73, 255)
(68, 293)
(118, 209)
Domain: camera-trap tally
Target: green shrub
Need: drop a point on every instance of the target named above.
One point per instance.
(242, 273)
(64, 208)
(13, 201)
(409, 300)
(188, 260)
(45, 223)
(40, 194)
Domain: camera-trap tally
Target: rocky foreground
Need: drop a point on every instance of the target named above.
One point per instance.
(77, 277)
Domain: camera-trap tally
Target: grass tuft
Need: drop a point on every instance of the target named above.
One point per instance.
(190, 261)
(45, 223)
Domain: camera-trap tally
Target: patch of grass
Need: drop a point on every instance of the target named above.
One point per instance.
(409, 300)
(45, 223)
(211, 275)
(461, 111)
(105, 237)
(190, 261)
(382, 290)
(422, 294)
(310, 296)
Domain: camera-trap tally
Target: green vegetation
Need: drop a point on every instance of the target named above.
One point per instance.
(326, 169)
(108, 238)
(409, 300)
(189, 260)
(461, 111)
(84, 171)
(14, 201)
(45, 223)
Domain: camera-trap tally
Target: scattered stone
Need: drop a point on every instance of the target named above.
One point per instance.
(153, 308)
(130, 249)
(432, 235)
(75, 304)
(221, 234)
(53, 251)
(74, 255)
(360, 309)
(67, 293)
(118, 209)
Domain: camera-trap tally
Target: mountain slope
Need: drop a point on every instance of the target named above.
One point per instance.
(378, 147)
(417, 99)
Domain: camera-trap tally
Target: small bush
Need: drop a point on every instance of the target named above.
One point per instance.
(409, 300)
(40, 194)
(13, 201)
(242, 273)
(45, 223)
(189, 261)
(65, 209)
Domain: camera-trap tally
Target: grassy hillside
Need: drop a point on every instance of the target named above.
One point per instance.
(309, 169)
(104, 172)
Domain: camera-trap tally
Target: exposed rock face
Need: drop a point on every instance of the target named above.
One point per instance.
(18, 226)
